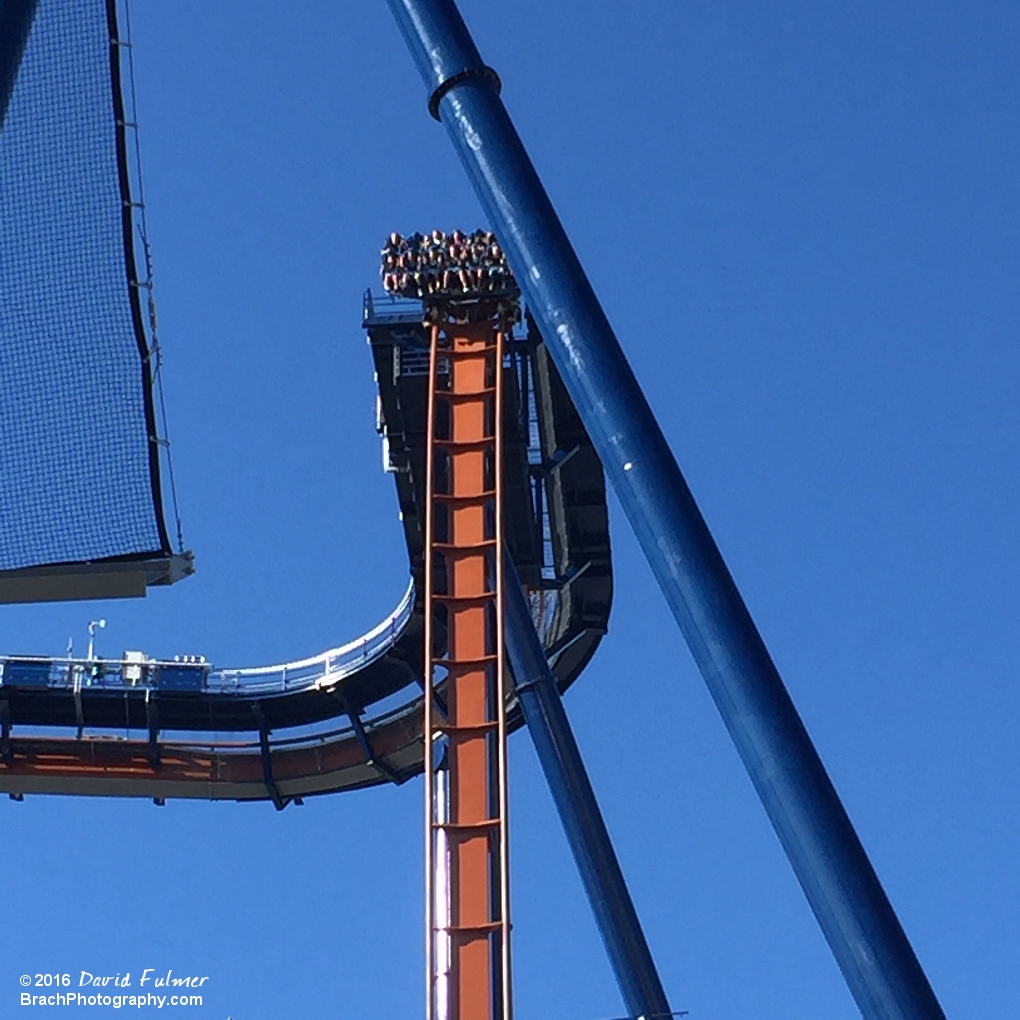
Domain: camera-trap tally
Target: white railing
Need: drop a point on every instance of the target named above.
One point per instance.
(323, 670)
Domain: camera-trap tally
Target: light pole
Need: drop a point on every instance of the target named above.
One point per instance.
(93, 626)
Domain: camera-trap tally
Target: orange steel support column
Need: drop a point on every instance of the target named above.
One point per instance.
(467, 882)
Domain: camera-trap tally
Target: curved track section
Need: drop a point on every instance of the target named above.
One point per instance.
(352, 716)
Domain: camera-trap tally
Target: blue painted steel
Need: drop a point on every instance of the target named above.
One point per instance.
(844, 892)
(16, 17)
(181, 678)
(579, 811)
(26, 674)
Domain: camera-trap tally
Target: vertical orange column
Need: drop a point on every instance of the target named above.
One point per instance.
(466, 848)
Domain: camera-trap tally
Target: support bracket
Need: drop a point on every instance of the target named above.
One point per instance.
(279, 801)
(366, 746)
(6, 751)
(152, 724)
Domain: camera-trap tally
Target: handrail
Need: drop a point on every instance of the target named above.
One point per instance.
(318, 671)
(384, 308)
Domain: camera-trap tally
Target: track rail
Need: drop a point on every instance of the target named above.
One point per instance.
(352, 716)
(466, 865)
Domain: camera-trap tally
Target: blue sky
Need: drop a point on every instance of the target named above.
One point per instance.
(802, 221)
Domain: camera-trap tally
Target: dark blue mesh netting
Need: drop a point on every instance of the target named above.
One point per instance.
(78, 461)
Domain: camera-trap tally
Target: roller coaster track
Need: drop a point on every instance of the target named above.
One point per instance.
(350, 717)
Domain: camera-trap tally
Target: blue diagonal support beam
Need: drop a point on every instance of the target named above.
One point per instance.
(851, 907)
(572, 792)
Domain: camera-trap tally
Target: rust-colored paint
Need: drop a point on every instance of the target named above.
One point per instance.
(464, 486)
(230, 770)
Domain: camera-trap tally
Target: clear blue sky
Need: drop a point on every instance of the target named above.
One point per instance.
(803, 222)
